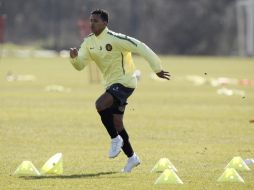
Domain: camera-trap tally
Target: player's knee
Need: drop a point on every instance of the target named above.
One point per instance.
(104, 102)
(98, 105)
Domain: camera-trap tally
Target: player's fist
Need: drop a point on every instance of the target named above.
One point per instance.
(73, 52)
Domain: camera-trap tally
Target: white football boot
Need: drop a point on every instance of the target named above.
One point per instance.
(131, 163)
(116, 145)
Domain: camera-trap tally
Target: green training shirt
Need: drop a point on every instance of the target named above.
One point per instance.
(112, 54)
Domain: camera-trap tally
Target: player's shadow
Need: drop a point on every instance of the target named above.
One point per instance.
(73, 176)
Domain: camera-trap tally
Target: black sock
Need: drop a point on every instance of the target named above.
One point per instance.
(107, 120)
(127, 149)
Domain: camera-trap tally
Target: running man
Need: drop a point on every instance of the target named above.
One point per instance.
(111, 52)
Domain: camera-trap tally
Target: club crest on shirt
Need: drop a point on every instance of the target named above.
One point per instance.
(108, 47)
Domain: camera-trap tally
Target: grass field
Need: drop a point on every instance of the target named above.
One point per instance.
(198, 130)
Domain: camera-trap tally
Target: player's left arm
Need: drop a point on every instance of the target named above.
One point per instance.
(130, 44)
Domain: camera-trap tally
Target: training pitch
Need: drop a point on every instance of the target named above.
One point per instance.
(47, 107)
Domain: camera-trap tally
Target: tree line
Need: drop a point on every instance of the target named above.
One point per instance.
(200, 27)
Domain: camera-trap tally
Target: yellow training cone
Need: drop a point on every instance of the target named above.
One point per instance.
(230, 175)
(163, 164)
(168, 177)
(26, 168)
(238, 164)
(54, 165)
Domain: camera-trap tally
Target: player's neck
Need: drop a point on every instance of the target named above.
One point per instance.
(98, 33)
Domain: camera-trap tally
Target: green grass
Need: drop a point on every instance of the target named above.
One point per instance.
(198, 130)
(13, 47)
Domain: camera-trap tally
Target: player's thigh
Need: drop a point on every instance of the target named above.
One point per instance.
(104, 101)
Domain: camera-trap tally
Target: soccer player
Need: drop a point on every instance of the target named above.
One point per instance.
(111, 52)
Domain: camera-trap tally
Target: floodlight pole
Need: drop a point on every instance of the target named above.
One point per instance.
(245, 27)
(250, 30)
(240, 28)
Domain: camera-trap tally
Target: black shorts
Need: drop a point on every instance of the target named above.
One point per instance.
(120, 94)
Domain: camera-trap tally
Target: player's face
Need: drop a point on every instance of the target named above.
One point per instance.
(97, 24)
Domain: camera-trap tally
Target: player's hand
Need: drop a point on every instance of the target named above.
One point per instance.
(73, 52)
(163, 74)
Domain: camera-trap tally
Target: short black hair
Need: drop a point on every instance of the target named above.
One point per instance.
(103, 14)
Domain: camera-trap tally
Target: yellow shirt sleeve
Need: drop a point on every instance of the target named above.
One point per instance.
(83, 57)
(129, 44)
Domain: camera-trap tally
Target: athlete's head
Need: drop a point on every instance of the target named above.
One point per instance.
(98, 21)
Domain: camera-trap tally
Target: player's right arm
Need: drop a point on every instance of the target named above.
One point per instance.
(80, 58)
